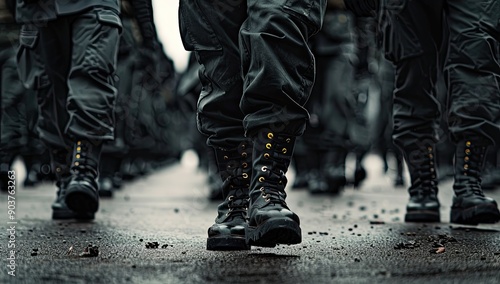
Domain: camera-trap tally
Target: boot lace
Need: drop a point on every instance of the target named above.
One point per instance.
(472, 164)
(273, 178)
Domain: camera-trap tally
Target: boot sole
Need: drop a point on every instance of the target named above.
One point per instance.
(486, 213)
(66, 215)
(424, 216)
(227, 243)
(81, 199)
(274, 231)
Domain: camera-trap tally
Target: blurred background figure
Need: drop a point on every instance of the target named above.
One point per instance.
(19, 110)
(188, 90)
(321, 154)
(147, 116)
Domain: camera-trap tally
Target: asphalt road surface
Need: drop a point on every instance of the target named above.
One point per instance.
(356, 237)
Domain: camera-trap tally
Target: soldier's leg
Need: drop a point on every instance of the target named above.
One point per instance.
(412, 43)
(335, 50)
(277, 84)
(13, 115)
(211, 31)
(472, 72)
(80, 54)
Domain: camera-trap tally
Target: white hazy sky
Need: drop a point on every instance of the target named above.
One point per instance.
(166, 20)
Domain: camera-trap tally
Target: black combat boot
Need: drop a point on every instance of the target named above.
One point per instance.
(359, 170)
(214, 178)
(82, 191)
(470, 206)
(228, 232)
(399, 180)
(424, 204)
(7, 176)
(60, 163)
(270, 220)
(334, 170)
(316, 177)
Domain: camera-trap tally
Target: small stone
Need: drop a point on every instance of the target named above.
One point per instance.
(438, 250)
(357, 260)
(176, 210)
(34, 253)
(90, 251)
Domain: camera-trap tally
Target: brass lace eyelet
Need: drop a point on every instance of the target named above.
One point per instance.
(284, 150)
(269, 146)
(244, 165)
(245, 175)
(264, 168)
(230, 198)
(262, 179)
(266, 155)
(270, 135)
(468, 143)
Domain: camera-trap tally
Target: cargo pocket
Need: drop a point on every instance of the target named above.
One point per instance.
(196, 32)
(309, 11)
(109, 18)
(30, 68)
(400, 40)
